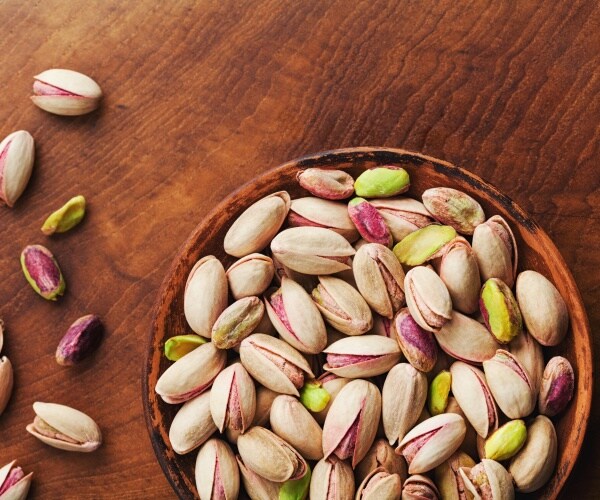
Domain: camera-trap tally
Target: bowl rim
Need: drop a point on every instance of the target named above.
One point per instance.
(341, 158)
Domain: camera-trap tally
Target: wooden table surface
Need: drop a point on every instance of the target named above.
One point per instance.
(201, 96)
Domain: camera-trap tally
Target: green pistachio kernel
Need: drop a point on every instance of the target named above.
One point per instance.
(314, 396)
(382, 182)
(180, 345)
(297, 489)
(506, 441)
(422, 244)
(439, 389)
(500, 310)
(66, 217)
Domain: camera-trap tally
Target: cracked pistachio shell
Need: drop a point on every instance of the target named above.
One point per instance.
(193, 424)
(257, 225)
(332, 479)
(292, 422)
(543, 308)
(471, 391)
(17, 152)
(66, 217)
(381, 454)
(233, 399)
(342, 306)
(466, 339)
(427, 298)
(382, 182)
(361, 357)
(180, 345)
(316, 212)
(378, 484)
(402, 215)
(42, 272)
(14, 484)
(459, 271)
(296, 317)
(500, 310)
(333, 385)
(274, 363)
(402, 398)
(369, 222)
(379, 278)
(236, 322)
(439, 390)
(423, 244)
(558, 383)
(533, 465)
(448, 479)
(510, 384)
(418, 345)
(488, 480)
(419, 487)
(65, 92)
(191, 375)
(205, 295)
(326, 183)
(454, 208)
(469, 445)
(250, 275)
(529, 352)
(505, 441)
(351, 424)
(270, 456)
(64, 428)
(312, 250)
(432, 442)
(216, 472)
(496, 250)
(257, 487)
(6, 382)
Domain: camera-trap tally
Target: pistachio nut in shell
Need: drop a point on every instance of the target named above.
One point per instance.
(42, 272)
(558, 384)
(362, 356)
(180, 345)
(81, 339)
(315, 212)
(466, 339)
(312, 250)
(500, 310)
(532, 467)
(454, 208)
(332, 479)
(351, 424)
(66, 217)
(216, 472)
(257, 487)
(402, 215)
(459, 271)
(378, 484)
(274, 363)
(191, 375)
(65, 92)
(510, 384)
(233, 399)
(439, 390)
(379, 278)
(64, 428)
(193, 424)
(270, 456)
(448, 478)
(471, 391)
(326, 183)
(250, 275)
(417, 344)
(205, 295)
(296, 317)
(419, 487)
(382, 182)
(17, 152)
(333, 385)
(496, 250)
(529, 352)
(369, 222)
(506, 441)
(314, 396)
(423, 244)
(488, 480)
(14, 483)
(381, 454)
(6, 382)
(402, 398)
(264, 401)
(427, 298)
(342, 306)
(257, 225)
(292, 422)
(544, 310)
(236, 322)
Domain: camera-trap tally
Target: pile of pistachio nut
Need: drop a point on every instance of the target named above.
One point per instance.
(380, 348)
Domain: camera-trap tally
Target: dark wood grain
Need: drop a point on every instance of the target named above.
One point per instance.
(202, 96)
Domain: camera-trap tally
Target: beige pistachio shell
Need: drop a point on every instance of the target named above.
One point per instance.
(264, 401)
(257, 225)
(419, 487)
(333, 385)
(379, 484)
(496, 250)
(543, 309)
(257, 487)
(532, 467)
(216, 471)
(205, 295)
(193, 424)
(191, 375)
(469, 445)
(488, 480)
(233, 399)
(64, 428)
(381, 454)
(427, 298)
(19, 488)
(250, 275)
(6, 382)
(17, 151)
(332, 479)
(448, 478)
(403, 397)
(466, 339)
(402, 215)
(65, 92)
(529, 353)
(311, 211)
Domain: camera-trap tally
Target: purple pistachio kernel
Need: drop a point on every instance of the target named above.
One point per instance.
(417, 344)
(558, 385)
(82, 338)
(369, 222)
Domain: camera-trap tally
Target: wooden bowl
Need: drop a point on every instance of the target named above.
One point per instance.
(536, 251)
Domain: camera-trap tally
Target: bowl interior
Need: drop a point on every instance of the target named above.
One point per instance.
(536, 251)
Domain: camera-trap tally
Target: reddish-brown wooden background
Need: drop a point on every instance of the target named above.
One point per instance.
(204, 95)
